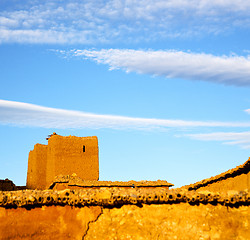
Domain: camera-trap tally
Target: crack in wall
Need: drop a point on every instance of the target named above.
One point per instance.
(88, 225)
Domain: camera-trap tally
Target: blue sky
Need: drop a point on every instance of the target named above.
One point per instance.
(164, 85)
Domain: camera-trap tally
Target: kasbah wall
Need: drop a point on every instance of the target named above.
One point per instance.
(214, 208)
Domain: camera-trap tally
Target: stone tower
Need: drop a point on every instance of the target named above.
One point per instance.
(63, 155)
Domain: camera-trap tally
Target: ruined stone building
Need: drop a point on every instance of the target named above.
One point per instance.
(62, 156)
(73, 204)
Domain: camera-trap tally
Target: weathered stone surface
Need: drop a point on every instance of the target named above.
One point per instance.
(53, 222)
(177, 221)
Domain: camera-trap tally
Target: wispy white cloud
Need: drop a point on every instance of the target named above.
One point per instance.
(247, 111)
(25, 114)
(232, 138)
(30, 115)
(118, 20)
(229, 70)
(44, 36)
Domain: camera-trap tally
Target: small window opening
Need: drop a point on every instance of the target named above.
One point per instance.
(83, 148)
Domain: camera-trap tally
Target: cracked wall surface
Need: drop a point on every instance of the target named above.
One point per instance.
(177, 221)
(147, 221)
(180, 221)
(118, 213)
(46, 222)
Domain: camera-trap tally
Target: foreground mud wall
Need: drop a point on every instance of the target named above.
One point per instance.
(176, 221)
(118, 213)
(164, 221)
(53, 222)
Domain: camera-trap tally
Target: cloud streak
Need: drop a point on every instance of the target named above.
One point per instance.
(30, 115)
(104, 21)
(231, 138)
(247, 111)
(228, 70)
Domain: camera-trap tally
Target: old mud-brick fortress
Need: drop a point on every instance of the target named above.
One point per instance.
(63, 199)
